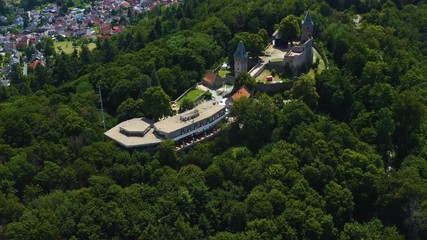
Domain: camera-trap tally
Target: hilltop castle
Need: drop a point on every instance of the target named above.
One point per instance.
(302, 53)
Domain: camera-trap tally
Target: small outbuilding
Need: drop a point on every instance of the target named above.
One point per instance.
(212, 80)
(242, 92)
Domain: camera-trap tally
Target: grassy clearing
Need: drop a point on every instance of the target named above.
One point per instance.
(263, 76)
(192, 95)
(91, 46)
(311, 73)
(267, 72)
(79, 3)
(223, 73)
(322, 65)
(68, 48)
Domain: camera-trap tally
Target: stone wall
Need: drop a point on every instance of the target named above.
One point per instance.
(278, 65)
(182, 95)
(273, 87)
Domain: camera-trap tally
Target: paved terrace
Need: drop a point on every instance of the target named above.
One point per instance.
(171, 124)
(271, 53)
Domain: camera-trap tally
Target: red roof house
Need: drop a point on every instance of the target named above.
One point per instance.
(212, 80)
(242, 92)
(34, 64)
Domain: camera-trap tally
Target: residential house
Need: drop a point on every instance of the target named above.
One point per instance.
(125, 5)
(32, 26)
(9, 46)
(34, 64)
(3, 19)
(15, 58)
(119, 28)
(5, 82)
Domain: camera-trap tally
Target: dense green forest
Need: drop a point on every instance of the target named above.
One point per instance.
(345, 160)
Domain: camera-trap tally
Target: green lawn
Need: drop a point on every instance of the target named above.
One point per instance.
(263, 76)
(192, 95)
(79, 3)
(68, 48)
(322, 64)
(223, 73)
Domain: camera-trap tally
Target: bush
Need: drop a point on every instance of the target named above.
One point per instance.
(186, 105)
(273, 72)
(208, 95)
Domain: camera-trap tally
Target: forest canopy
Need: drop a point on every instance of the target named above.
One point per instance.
(343, 158)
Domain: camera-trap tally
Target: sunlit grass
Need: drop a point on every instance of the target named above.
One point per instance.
(68, 48)
(192, 95)
(223, 73)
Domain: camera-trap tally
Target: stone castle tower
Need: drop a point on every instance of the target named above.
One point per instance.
(240, 60)
(307, 28)
(301, 54)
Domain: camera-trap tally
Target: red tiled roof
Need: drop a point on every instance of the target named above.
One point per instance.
(34, 64)
(33, 40)
(102, 36)
(119, 28)
(210, 77)
(125, 4)
(104, 30)
(105, 25)
(242, 92)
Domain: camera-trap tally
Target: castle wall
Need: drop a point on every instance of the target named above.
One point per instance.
(278, 65)
(257, 70)
(298, 48)
(273, 87)
(309, 52)
(297, 59)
